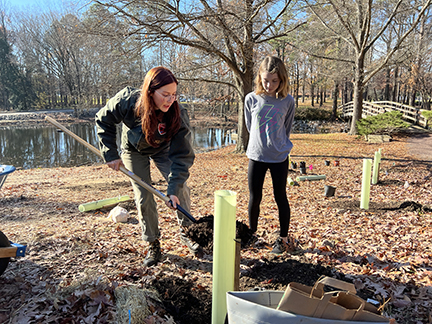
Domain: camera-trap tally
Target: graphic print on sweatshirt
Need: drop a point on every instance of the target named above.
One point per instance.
(267, 119)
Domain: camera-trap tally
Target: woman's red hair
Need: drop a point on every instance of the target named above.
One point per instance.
(145, 107)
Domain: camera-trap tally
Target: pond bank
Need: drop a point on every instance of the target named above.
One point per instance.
(201, 119)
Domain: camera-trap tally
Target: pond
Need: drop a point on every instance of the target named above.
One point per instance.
(29, 148)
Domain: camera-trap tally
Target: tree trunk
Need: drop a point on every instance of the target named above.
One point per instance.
(387, 86)
(244, 86)
(335, 99)
(244, 80)
(324, 94)
(395, 95)
(345, 92)
(297, 84)
(312, 93)
(321, 97)
(358, 107)
(412, 98)
(358, 95)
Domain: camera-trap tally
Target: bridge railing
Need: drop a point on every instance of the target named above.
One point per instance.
(409, 113)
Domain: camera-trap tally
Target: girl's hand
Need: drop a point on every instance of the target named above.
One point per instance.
(173, 202)
(116, 164)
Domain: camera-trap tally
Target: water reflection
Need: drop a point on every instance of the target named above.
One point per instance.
(210, 138)
(47, 147)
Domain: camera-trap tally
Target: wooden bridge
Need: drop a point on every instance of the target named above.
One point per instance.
(409, 113)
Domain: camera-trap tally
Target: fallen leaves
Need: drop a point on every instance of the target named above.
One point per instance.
(385, 249)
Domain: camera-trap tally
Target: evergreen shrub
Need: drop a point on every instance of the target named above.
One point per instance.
(428, 115)
(386, 123)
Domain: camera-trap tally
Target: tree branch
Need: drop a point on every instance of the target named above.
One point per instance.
(321, 56)
(387, 23)
(203, 42)
(281, 35)
(258, 35)
(329, 28)
(346, 25)
(399, 43)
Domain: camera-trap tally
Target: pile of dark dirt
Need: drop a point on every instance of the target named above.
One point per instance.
(202, 233)
(274, 273)
(184, 301)
(409, 206)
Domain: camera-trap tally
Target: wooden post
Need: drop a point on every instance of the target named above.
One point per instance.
(237, 266)
(8, 252)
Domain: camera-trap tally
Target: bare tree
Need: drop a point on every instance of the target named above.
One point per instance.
(74, 67)
(15, 90)
(361, 25)
(420, 64)
(228, 30)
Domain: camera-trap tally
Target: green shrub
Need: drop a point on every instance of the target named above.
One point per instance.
(307, 113)
(385, 123)
(427, 114)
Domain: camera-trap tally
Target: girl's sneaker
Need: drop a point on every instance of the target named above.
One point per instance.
(279, 246)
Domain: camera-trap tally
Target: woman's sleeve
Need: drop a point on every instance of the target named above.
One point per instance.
(106, 120)
(181, 154)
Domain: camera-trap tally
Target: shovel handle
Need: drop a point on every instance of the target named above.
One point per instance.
(130, 174)
(154, 191)
(183, 211)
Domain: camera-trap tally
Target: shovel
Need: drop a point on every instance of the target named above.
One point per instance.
(122, 169)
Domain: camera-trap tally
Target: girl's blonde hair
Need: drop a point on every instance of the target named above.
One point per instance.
(273, 64)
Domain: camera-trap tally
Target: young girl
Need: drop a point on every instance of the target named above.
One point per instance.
(269, 114)
(154, 127)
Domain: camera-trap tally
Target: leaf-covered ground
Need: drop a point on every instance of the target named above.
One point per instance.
(76, 262)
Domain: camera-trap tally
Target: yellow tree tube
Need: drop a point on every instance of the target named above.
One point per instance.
(102, 203)
(290, 181)
(364, 201)
(379, 160)
(224, 247)
(375, 172)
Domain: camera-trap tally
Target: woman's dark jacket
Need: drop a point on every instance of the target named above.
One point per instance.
(119, 109)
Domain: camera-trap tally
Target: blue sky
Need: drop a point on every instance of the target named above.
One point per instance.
(24, 5)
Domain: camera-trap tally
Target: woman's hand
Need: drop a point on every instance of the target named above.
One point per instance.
(173, 202)
(116, 164)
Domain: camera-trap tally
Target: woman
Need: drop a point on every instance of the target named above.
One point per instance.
(155, 127)
(269, 115)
